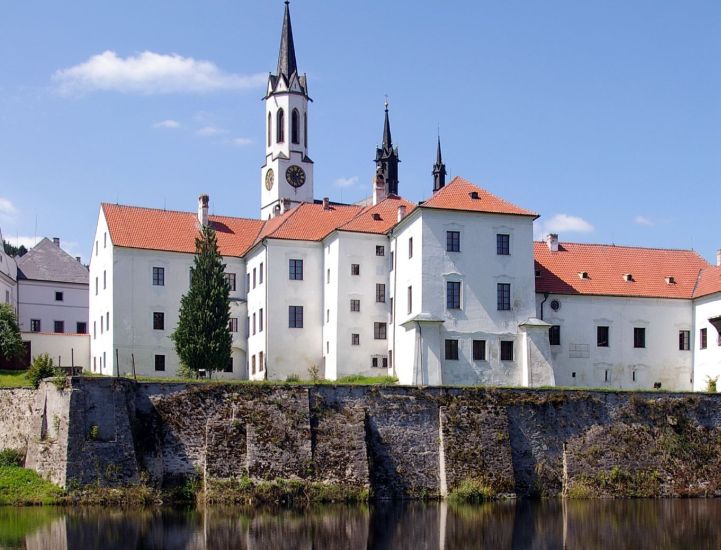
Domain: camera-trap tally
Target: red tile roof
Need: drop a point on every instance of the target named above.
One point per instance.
(457, 196)
(379, 218)
(154, 229)
(709, 282)
(606, 266)
(311, 222)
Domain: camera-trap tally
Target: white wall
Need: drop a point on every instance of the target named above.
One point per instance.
(65, 349)
(707, 362)
(257, 300)
(36, 300)
(8, 278)
(613, 366)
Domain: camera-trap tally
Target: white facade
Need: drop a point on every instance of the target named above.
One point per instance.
(8, 278)
(66, 350)
(707, 360)
(52, 307)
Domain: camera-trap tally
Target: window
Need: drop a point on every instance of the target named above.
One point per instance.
(247, 281)
(703, 338)
(105, 240)
(254, 325)
(554, 335)
(101, 324)
(355, 269)
(296, 270)
(379, 361)
(59, 326)
(230, 281)
(107, 320)
(390, 357)
(295, 316)
(229, 366)
(95, 329)
(260, 320)
(453, 294)
(59, 296)
(270, 126)
(452, 350)
(380, 250)
(252, 364)
(305, 129)
(96, 286)
(684, 340)
(327, 315)
(379, 331)
(35, 325)
(159, 277)
(233, 324)
(409, 298)
(393, 257)
(602, 337)
(503, 244)
(261, 362)
(410, 247)
(280, 126)
(105, 279)
(327, 276)
(506, 350)
(453, 241)
(639, 337)
(260, 274)
(355, 339)
(355, 305)
(160, 362)
(294, 126)
(479, 350)
(390, 310)
(380, 292)
(158, 320)
(96, 248)
(503, 291)
(254, 277)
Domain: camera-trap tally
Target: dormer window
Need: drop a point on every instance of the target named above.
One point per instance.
(628, 277)
(583, 274)
(670, 280)
(538, 273)
(376, 216)
(474, 195)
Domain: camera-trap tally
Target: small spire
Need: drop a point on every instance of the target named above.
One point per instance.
(387, 141)
(286, 58)
(439, 169)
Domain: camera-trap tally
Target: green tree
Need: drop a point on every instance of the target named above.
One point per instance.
(202, 339)
(11, 250)
(11, 344)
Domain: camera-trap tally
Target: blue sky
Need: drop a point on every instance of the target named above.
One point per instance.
(604, 117)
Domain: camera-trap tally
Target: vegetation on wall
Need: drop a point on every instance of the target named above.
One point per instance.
(11, 344)
(202, 339)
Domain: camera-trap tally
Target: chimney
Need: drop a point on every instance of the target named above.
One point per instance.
(78, 259)
(401, 212)
(56, 241)
(552, 242)
(326, 203)
(286, 205)
(379, 189)
(203, 201)
(718, 257)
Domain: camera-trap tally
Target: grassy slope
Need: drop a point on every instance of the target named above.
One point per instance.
(14, 379)
(19, 486)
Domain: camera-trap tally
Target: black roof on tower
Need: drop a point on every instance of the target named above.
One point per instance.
(439, 169)
(286, 58)
(387, 141)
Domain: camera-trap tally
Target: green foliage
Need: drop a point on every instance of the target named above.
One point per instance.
(93, 433)
(471, 491)
(711, 384)
(42, 367)
(19, 486)
(14, 379)
(202, 339)
(11, 457)
(14, 251)
(367, 380)
(292, 378)
(314, 373)
(11, 344)
(186, 372)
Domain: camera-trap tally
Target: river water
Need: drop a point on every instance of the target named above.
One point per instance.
(683, 524)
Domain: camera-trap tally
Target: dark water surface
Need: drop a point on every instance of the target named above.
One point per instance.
(687, 524)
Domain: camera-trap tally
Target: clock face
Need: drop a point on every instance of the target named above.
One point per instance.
(295, 175)
(269, 179)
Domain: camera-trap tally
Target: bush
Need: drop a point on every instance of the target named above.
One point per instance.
(711, 384)
(471, 491)
(292, 378)
(11, 457)
(42, 367)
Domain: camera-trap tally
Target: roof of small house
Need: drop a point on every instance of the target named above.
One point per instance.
(709, 282)
(46, 261)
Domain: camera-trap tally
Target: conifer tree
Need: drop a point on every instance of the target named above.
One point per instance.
(11, 343)
(202, 339)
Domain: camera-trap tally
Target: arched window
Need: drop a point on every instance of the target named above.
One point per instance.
(280, 124)
(305, 130)
(270, 126)
(294, 121)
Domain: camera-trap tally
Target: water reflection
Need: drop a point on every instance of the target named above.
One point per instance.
(537, 525)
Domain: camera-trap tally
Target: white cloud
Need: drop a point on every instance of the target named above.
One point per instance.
(241, 141)
(21, 240)
(643, 220)
(210, 131)
(150, 73)
(7, 209)
(561, 223)
(171, 124)
(346, 182)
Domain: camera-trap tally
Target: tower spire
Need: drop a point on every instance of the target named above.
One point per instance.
(439, 169)
(387, 158)
(286, 57)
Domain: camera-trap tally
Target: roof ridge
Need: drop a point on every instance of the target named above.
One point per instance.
(698, 280)
(630, 246)
(190, 213)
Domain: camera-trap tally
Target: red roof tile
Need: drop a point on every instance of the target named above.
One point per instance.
(154, 229)
(709, 282)
(379, 218)
(457, 196)
(310, 221)
(606, 266)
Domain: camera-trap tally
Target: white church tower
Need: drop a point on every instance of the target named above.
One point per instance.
(287, 175)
